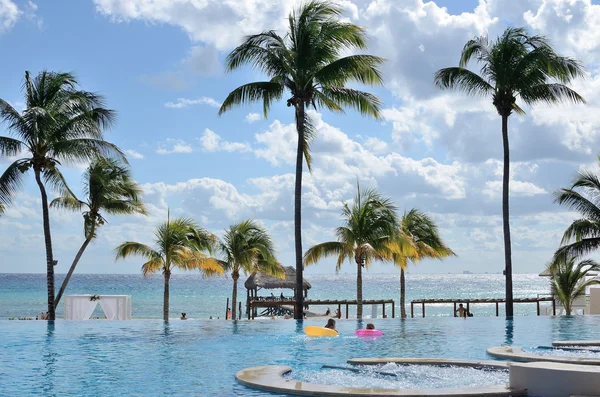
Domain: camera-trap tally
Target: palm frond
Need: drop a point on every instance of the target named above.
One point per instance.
(551, 94)
(10, 147)
(67, 202)
(11, 181)
(16, 123)
(463, 80)
(477, 47)
(365, 103)
(360, 68)
(317, 252)
(265, 91)
(130, 248)
(579, 248)
(85, 149)
(576, 201)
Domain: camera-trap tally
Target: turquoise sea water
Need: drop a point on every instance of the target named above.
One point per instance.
(25, 294)
(201, 357)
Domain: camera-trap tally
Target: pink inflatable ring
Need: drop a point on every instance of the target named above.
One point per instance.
(368, 332)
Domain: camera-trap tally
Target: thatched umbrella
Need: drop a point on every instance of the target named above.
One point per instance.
(258, 281)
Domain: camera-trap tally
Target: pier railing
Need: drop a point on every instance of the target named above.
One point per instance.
(254, 304)
(469, 302)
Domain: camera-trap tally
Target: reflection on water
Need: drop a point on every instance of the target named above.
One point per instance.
(509, 332)
(49, 358)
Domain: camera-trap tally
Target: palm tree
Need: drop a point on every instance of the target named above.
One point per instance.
(109, 188)
(367, 235)
(60, 124)
(307, 63)
(179, 244)
(516, 65)
(424, 242)
(583, 235)
(247, 247)
(569, 280)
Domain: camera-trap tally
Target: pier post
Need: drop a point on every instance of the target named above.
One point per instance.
(497, 311)
(538, 308)
(346, 311)
(468, 310)
(412, 310)
(240, 311)
(553, 306)
(393, 310)
(383, 310)
(423, 308)
(226, 309)
(339, 310)
(454, 312)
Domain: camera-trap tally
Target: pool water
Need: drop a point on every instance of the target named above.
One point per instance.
(180, 358)
(390, 376)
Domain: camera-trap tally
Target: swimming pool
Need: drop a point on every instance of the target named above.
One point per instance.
(149, 357)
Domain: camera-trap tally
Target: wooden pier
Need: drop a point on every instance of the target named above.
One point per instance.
(256, 303)
(469, 302)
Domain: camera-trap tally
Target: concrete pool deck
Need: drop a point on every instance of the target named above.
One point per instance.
(430, 361)
(576, 343)
(517, 354)
(270, 378)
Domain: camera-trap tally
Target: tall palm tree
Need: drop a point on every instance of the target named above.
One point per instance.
(307, 63)
(247, 247)
(569, 280)
(424, 242)
(516, 65)
(179, 244)
(108, 187)
(367, 235)
(61, 124)
(583, 235)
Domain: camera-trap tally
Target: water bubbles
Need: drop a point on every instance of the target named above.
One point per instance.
(392, 376)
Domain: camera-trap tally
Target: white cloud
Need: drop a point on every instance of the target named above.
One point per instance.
(376, 145)
(9, 15)
(517, 188)
(172, 146)
(133, 154)
(212, 142)
(221, 23)
(184, 103)
(252, 117)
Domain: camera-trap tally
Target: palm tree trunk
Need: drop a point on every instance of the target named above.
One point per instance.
(48, 240)
(359, 306)
(235, 275)
(505, 219)
(166, 296)
(300, 124)
(402, 294)
(71, 270)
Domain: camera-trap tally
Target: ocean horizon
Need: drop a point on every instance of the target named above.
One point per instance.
(24, 294)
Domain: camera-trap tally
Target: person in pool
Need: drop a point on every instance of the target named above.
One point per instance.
(462, 312)
(183, 316)
(331, 324)
(370, 326)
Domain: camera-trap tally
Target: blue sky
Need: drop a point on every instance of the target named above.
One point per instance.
(159, 65)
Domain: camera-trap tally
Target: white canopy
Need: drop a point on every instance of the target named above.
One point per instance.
(81, 307)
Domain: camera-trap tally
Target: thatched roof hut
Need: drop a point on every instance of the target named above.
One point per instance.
(258, 281)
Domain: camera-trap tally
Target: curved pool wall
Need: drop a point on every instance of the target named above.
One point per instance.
(271, 378)
(180, 358)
